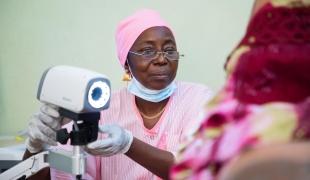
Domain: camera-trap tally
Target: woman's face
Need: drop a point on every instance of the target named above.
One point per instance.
(159, 72)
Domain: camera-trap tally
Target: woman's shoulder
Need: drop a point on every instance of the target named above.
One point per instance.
(119, 93)
(120, 97)
(192, 93)
(190, 87)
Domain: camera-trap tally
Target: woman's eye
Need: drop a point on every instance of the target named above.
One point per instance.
(148, 52)
(170, 52)
(170, 49)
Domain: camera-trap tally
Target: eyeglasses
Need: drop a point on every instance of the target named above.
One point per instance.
(153, 54)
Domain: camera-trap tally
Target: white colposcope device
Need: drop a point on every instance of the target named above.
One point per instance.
(80, 95)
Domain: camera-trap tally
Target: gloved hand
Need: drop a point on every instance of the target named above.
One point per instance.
(118, 141)
(42, 128)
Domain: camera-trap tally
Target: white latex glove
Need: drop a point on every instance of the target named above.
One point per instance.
(42, 128)
(118, 141)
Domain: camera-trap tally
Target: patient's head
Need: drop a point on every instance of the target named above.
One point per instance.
(272, 62)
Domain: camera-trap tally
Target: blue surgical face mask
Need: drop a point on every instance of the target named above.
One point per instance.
(136, 88)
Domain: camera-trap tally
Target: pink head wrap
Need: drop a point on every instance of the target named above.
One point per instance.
(129, 29)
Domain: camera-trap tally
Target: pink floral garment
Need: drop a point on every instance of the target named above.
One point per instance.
(266, 98)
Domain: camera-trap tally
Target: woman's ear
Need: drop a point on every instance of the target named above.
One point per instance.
(126, 67)
(127, 75)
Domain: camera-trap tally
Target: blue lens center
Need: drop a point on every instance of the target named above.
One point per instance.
(96, 94)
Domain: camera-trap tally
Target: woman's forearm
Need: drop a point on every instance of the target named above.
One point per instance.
(155, 160)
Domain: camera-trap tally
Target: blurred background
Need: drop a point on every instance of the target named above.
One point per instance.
(37, 34)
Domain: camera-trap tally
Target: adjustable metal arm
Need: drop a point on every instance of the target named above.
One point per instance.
(27, 168)
(67, 161)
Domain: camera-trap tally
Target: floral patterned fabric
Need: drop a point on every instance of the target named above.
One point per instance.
(266, 98)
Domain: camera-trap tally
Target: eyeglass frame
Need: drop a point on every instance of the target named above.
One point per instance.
(157, 55)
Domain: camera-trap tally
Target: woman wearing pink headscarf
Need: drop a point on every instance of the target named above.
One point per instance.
(147, 120)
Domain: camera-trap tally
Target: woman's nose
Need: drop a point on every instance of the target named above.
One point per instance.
(161, 58)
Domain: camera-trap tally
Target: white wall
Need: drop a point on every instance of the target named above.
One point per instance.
(37, 34)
